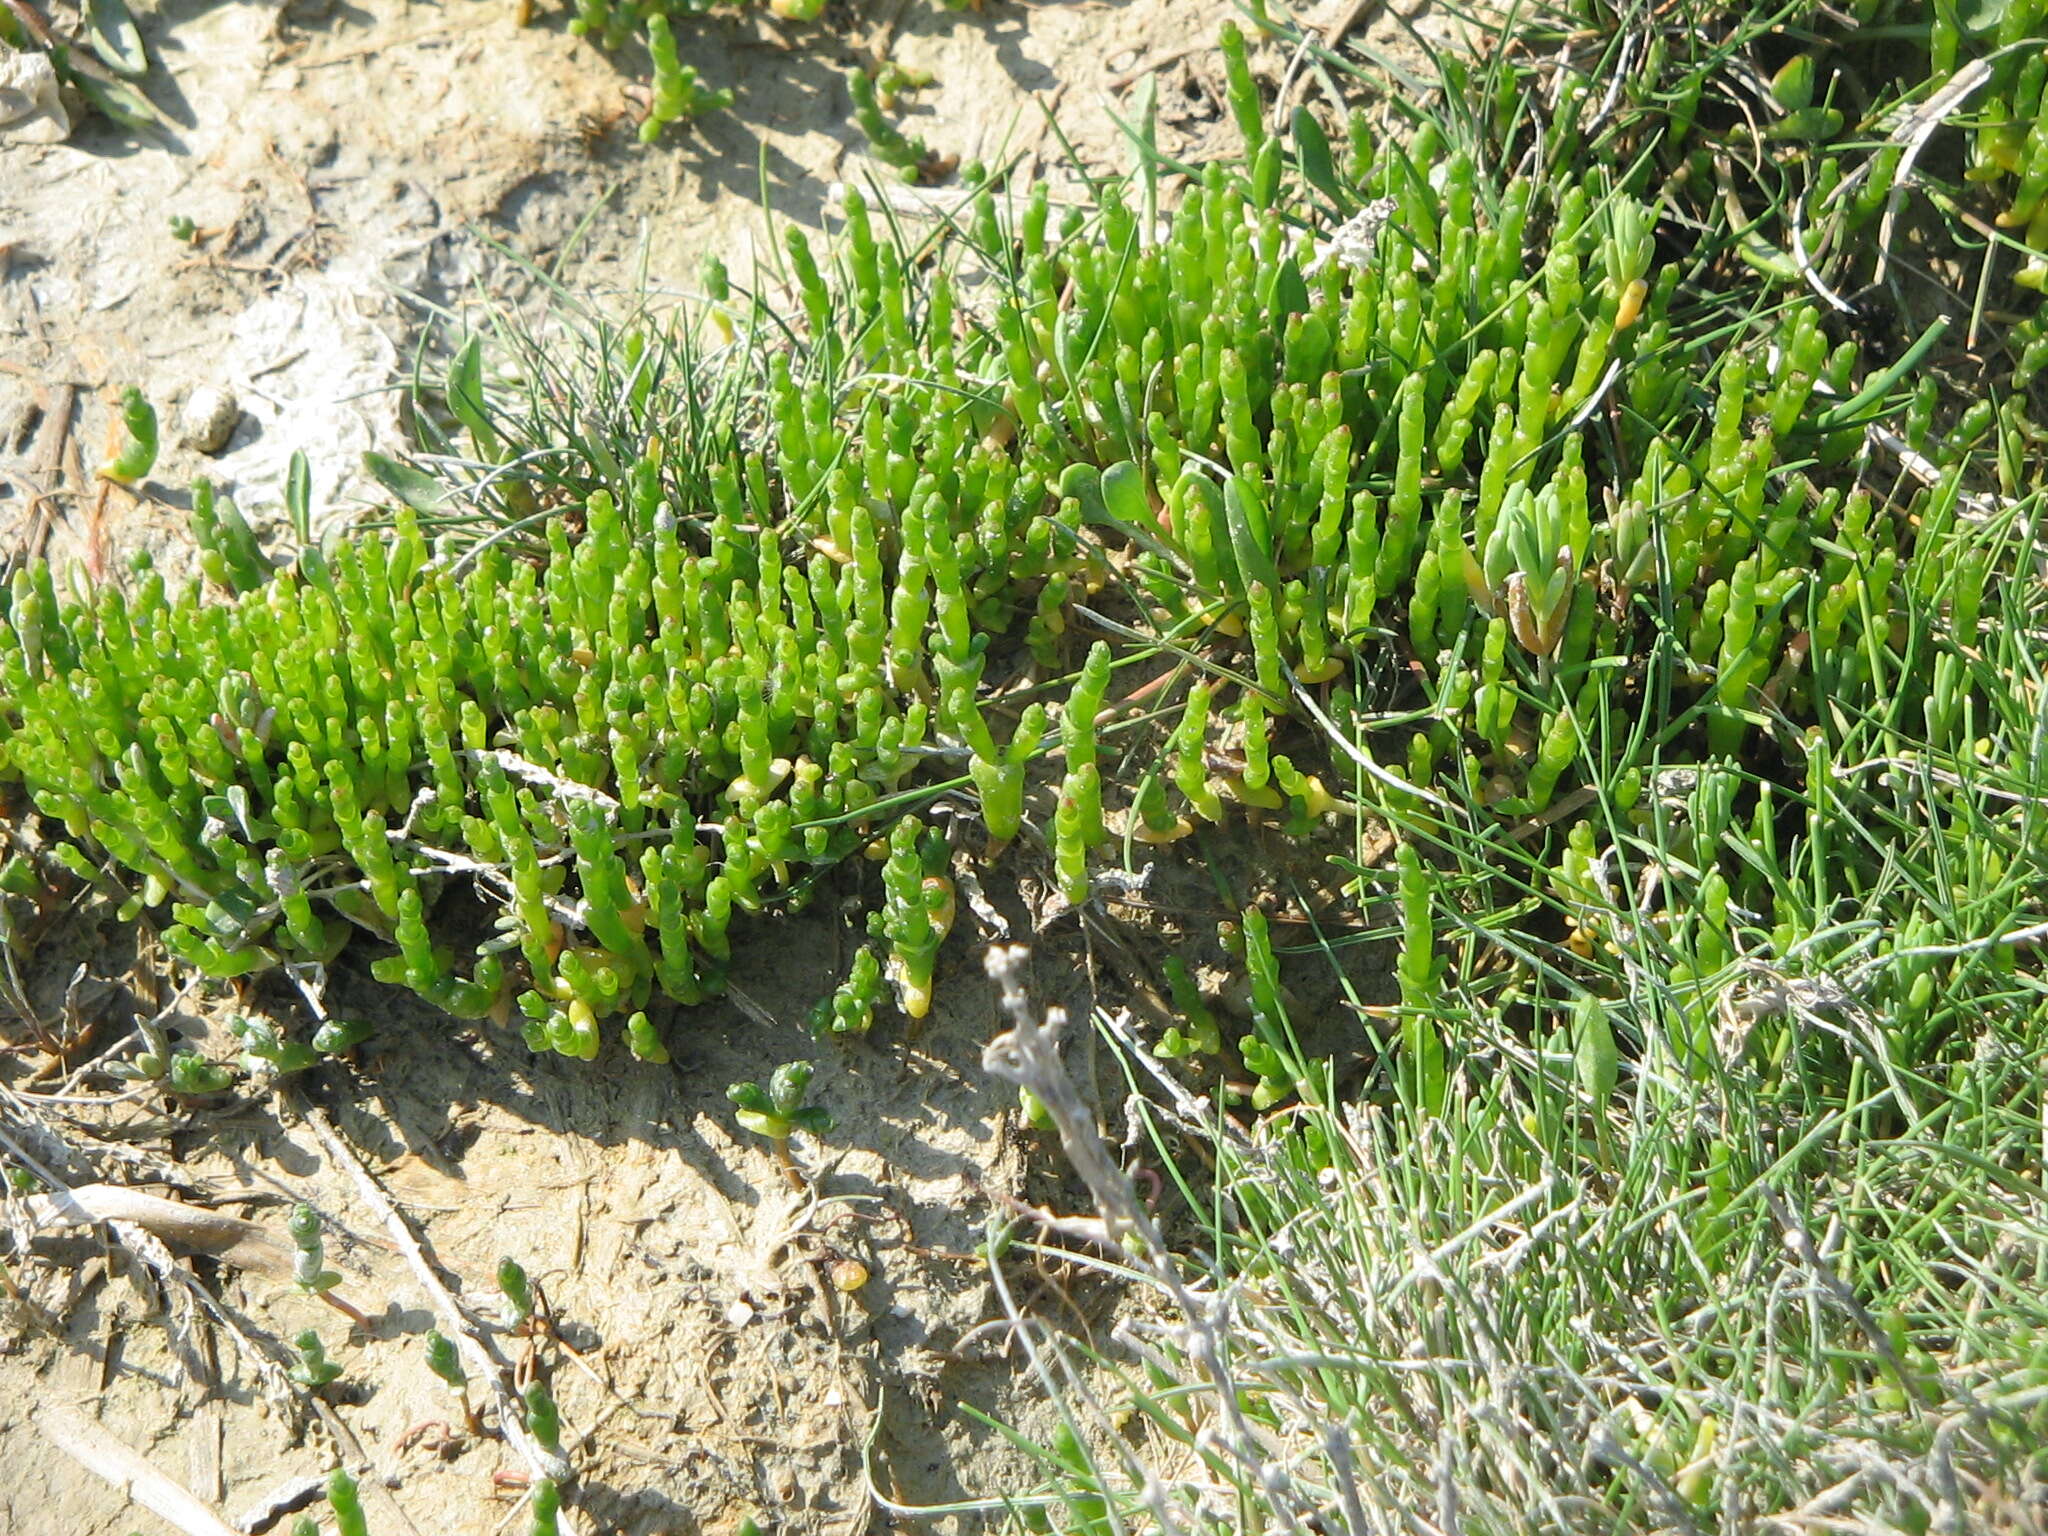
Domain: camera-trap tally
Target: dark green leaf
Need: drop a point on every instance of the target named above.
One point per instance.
(1312, 149)
(749, 1097)
(109, 96)
(1083, 483)
(417, 489)
(115, 37)
(1250, 539)
(466, 398)
(1290, 293)
(787, 1087)
(1123, 494)
(1598, 1061)
(298, 496)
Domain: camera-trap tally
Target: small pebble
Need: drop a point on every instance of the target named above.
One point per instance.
(30, 109)
(208, 418)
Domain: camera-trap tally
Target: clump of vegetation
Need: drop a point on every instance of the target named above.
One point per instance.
(679, 96)
(678, 93)
(1667, 1026)
(1459, 483)
(103, 59)
(1829, 150)
(685, 711)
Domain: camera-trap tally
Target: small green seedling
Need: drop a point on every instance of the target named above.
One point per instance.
(543, 1421)
(192, 1074)
(892, 80)
(182, 228)
(347, 1505)
(263, 1047)
(679, 91)
(135, 453)
(645, 1043)
(779, 1112)
(849, 1009)
(518, 1294)
(891, 145)
(314, 1368)
(444, 1361)
(309, 1264)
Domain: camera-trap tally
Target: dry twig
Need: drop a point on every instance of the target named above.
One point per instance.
(1028, 1055)
(92, 1447)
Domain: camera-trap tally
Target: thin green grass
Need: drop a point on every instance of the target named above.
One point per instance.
(1727, 1211)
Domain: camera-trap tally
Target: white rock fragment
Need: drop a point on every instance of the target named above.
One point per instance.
(207, 419)
(30, 112)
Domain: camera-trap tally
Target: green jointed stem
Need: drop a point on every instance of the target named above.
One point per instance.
(136, 455)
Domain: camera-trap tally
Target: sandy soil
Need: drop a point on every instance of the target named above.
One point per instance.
(713, 1369)
(360, 163)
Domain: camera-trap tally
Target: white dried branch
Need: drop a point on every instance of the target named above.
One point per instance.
(92, 1447)
(1027, 1054)
(243, 1244)
(532, 772)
